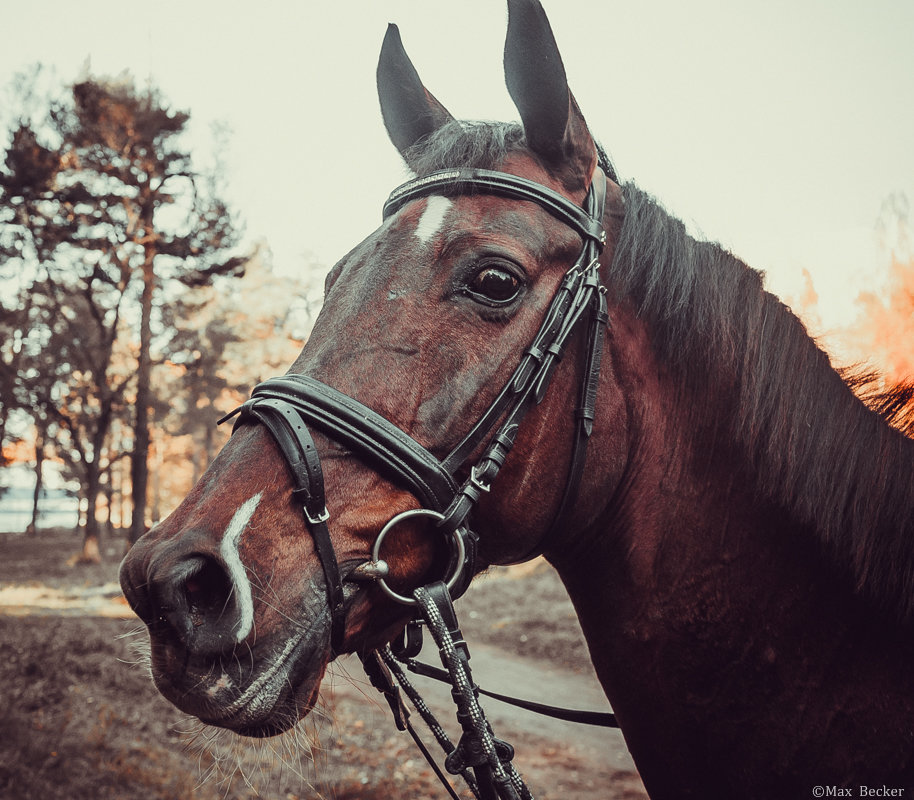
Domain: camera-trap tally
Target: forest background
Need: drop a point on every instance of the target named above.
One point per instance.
(129, 277)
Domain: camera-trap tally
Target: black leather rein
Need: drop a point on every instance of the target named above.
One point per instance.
(288, 405)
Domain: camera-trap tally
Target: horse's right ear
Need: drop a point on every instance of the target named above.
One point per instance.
(411, 113)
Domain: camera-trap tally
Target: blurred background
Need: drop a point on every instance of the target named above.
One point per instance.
(175, 184)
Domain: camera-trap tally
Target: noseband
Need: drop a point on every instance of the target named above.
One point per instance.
(290, 404)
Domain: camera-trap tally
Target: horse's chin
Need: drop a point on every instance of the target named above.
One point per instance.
(258, 693)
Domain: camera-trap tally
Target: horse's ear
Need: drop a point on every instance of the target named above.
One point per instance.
(554, 126)
(410, 111)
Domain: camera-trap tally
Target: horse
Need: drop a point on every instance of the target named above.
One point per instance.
(733, 524)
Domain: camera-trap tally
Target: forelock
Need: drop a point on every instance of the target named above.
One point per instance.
(477, 145)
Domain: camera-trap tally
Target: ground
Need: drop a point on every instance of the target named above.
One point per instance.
(80, 718)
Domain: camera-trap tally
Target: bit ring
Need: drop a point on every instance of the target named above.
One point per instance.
(458, 548)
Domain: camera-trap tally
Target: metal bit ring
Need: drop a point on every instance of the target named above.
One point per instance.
(458, 547)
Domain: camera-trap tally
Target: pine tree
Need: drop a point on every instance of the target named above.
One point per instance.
(105, 208)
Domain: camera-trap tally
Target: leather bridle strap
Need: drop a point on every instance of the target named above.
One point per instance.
(580, 294)
(585, 413)
(485, 181)
(285, 404)
(294, 441)
(347, 421)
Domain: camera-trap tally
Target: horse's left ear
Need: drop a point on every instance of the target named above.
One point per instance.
(411, 112)
(555, 128)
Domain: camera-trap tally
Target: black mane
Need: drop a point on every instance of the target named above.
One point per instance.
(813, 446)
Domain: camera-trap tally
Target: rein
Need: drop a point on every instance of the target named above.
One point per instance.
(288, 405)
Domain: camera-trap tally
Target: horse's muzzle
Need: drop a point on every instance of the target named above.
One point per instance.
(208, 658)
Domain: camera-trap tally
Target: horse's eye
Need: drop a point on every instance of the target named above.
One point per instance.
(494, 286)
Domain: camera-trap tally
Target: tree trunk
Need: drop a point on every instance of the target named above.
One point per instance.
(156, 510)
(139, 465)
(123, 494)
(91, 552)
(32, 528)
(108, 494)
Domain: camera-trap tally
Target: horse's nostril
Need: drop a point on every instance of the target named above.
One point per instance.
(193, 599)
(208, 591)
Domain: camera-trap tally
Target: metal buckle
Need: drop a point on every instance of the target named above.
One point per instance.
(317, 519)
(477, 481)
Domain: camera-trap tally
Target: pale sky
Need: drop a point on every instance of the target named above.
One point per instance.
(776, 128)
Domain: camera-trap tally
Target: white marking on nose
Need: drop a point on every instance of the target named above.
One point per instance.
(432, 218)
(237, 572)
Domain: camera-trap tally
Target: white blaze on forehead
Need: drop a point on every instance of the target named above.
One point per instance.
(237, 572)
(432, 218)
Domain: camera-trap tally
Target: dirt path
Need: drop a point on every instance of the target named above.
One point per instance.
(79, 720)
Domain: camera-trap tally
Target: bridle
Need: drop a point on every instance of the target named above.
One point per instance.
(287, 406)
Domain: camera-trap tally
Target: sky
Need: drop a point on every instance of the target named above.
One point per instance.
(778, 129)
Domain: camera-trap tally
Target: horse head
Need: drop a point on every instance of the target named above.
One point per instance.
(423, 327)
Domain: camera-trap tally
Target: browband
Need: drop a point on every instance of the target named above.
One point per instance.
(464, 181)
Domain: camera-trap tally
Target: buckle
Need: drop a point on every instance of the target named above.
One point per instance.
(477, 481)
(316, 519)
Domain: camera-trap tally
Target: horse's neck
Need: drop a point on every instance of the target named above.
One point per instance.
(711, 617)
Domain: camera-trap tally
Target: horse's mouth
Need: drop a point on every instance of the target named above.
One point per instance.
(252, 696)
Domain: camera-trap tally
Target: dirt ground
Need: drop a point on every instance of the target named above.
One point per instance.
(80, 718)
